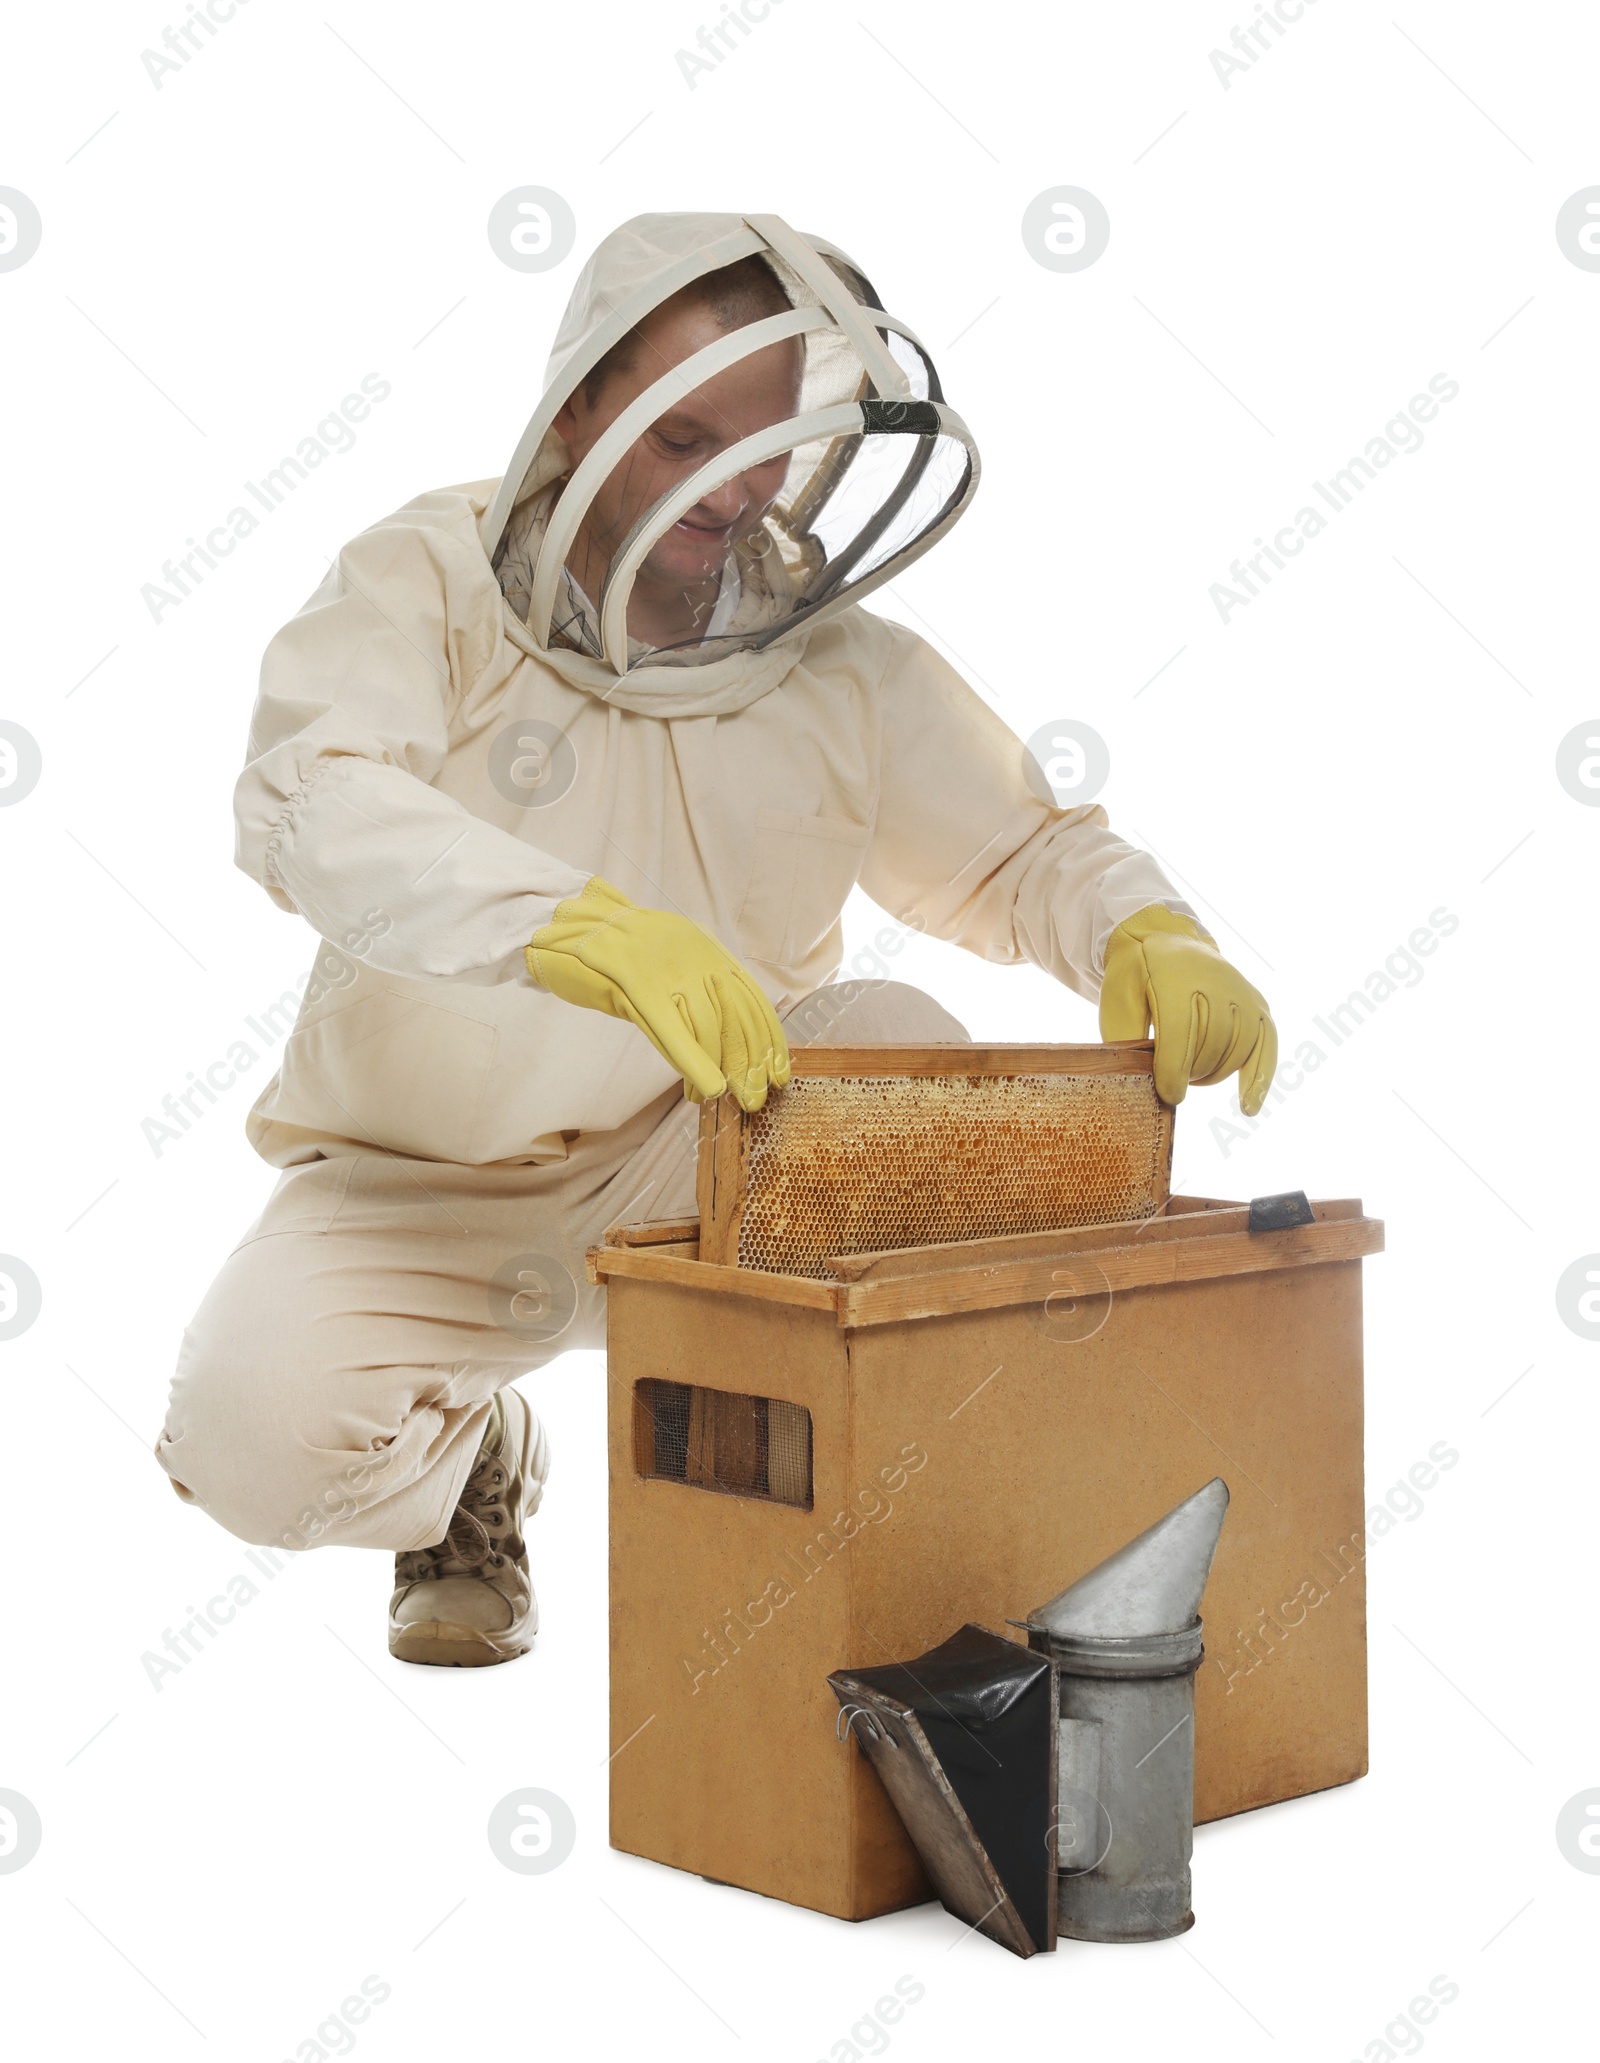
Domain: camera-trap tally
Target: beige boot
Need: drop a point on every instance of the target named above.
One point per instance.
(469, 1600)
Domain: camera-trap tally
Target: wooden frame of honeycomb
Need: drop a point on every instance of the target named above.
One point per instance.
(875, 1148)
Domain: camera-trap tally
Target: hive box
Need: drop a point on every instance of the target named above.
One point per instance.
(975, 1424)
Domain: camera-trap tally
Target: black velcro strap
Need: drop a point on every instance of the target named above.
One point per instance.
(902, 418)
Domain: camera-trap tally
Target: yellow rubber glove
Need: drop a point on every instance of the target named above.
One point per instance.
(692, 1000)
(1163, 971)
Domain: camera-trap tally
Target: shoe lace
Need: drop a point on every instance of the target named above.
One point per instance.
(480, 1534)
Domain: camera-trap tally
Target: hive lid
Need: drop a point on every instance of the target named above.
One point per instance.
(1153, 1585)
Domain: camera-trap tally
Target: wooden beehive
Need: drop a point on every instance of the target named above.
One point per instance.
(878, 1147)
(815, 1471)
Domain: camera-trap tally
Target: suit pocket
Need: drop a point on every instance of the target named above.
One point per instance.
(801, 871)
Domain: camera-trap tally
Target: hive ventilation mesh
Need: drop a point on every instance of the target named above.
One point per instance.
(723, 1440)
(854, 1163)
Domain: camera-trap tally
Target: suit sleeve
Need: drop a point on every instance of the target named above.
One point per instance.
(335, 814)
(965, 849)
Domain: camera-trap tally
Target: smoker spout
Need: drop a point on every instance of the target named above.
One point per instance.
(1153, 1585)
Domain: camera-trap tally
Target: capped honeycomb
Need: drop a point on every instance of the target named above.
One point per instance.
(855, 1163)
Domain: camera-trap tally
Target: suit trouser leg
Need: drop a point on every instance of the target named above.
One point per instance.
(334, 1385)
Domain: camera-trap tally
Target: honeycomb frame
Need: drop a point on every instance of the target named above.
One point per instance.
(880, 1148)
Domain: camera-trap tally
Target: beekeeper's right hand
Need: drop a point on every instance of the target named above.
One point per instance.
(692, 1000)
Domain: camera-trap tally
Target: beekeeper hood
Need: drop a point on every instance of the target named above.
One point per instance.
(823, 484)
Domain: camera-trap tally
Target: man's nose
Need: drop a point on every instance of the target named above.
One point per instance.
(727, 503)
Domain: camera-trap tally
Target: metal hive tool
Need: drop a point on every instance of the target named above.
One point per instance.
(872, 1148)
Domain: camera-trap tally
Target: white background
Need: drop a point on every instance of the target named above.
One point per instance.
(1373, 738)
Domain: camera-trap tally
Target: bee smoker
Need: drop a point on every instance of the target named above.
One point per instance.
(1126, 1642)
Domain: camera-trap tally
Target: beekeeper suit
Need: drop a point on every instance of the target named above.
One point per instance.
(573, 772)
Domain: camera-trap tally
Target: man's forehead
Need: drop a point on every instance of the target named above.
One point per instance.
(772, 374)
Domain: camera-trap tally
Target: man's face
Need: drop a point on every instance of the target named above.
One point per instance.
(748, 396)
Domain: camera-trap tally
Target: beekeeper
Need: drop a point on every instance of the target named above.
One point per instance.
(573, 772)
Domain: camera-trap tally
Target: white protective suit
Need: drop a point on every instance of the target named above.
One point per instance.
(450, 737)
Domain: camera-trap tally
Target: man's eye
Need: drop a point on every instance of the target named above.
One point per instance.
(677, 449)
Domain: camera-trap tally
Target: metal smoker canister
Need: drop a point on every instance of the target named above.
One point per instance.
(1126, 1642)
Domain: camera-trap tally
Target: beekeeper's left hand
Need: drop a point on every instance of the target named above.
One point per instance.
(1163, 972)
